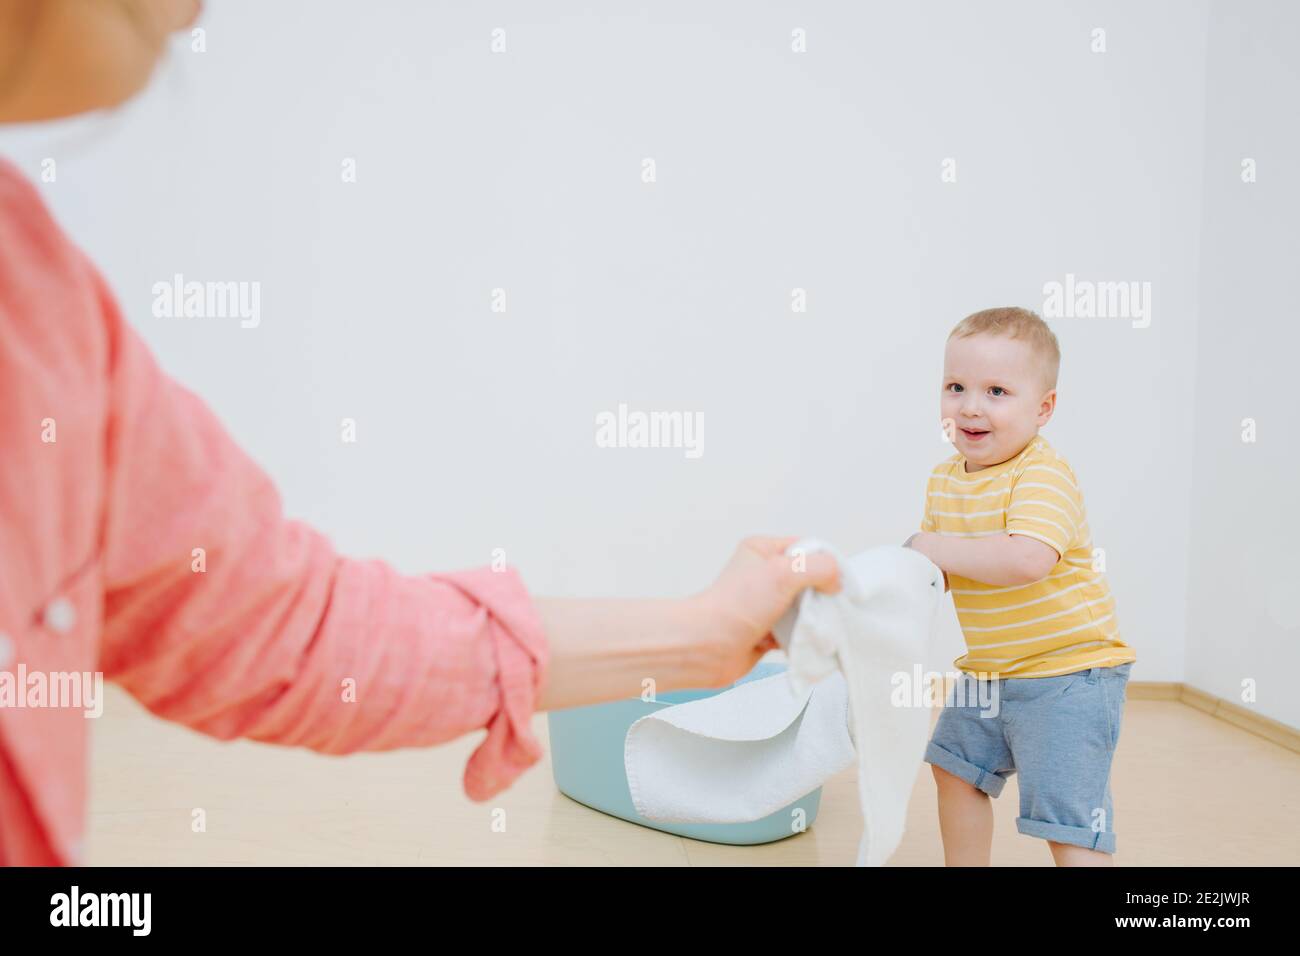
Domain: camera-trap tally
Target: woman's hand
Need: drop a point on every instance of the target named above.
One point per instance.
(735, 615)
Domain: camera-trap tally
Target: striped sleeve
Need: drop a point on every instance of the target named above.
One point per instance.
(1045, 504)
(927, 519)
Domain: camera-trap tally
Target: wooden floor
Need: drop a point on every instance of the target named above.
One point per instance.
(1189, 790)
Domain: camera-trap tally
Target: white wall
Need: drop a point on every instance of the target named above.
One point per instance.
(776, 170)
(1243, 613)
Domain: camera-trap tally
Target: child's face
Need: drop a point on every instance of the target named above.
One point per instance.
(63, 57)
(993, 383)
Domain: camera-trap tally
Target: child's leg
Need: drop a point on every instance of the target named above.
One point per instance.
(1064, 738)
(1067, 854)
(965, 821)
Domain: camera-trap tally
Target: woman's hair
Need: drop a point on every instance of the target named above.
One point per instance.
(1017, 323)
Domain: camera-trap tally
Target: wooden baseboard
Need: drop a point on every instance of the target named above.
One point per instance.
(1235, 714)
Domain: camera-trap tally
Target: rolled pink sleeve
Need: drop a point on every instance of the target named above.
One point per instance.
(225, 616)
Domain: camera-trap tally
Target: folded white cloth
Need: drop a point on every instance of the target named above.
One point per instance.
(877, 632)
(746, 753)
(739, 755)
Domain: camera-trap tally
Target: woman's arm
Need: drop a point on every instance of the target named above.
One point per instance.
(223, 614)
(226, 616)
(606, 649)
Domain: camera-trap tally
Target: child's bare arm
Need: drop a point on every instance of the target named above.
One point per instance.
(1001, 559)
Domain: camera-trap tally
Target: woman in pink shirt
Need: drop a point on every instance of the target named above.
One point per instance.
(138, 540)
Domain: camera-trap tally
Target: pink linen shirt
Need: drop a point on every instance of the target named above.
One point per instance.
(98, 531)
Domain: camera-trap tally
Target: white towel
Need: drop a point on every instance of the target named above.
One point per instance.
(739, 755)
(877, 632)
(748, 752)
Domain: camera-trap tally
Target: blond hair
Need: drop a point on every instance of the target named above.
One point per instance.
(1017, 323)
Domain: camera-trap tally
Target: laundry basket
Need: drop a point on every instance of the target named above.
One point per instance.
(587, 757)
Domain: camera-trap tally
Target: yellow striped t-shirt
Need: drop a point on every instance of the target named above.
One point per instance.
(1063, 623)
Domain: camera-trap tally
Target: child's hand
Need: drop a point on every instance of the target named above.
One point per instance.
(737, 613)
(923, 541)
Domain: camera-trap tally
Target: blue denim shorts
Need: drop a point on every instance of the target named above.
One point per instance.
(1059, 733)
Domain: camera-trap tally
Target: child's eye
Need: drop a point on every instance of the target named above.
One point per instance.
(954, 385)
(999, 388)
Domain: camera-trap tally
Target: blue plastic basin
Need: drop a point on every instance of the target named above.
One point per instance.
(587, 757)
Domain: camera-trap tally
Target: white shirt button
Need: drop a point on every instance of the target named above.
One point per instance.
(60, 615)
(6, 650)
